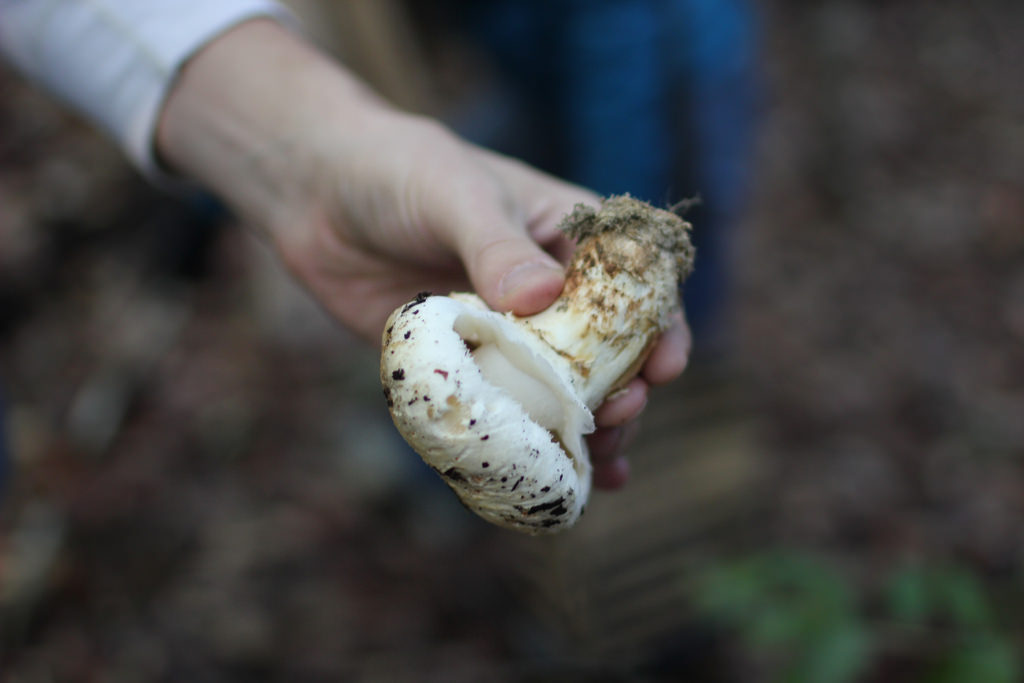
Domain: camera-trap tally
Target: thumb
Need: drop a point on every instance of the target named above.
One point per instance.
(506, 267)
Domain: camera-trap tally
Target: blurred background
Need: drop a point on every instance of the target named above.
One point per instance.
(201, 481)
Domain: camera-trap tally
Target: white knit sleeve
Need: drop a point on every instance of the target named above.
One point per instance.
(115, 60)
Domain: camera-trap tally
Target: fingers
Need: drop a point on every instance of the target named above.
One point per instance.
(505, 265)
(612, 475)
(509, 241)
(666, 362)
(623, 405)
(545, 200)
(611, 470)
(670, 355)
(508, 269)
(617, 425)
(616, 418)
(527, 286)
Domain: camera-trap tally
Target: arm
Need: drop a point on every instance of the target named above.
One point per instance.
(365, 204)
(368, 205)
(114, 60)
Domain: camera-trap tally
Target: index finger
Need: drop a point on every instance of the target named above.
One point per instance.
(670, 355)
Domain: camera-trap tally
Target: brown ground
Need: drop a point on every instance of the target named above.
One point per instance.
(209, 489)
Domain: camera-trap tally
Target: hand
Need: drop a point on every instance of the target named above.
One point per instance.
(368, 206)
(617, 417)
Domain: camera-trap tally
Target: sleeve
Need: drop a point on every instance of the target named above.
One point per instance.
(115, 60)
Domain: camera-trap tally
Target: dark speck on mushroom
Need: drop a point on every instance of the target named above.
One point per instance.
(420, 298)
(398, 374)
(555, 507)
(453, 474)
(485, 464)
(485, 437)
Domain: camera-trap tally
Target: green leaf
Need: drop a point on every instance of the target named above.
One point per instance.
(794, 608)
(959, 596)
(728, 592)
(908, 596)
(835, 655)
(987, 660)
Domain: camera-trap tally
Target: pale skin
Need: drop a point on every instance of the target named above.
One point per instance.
(367, 205)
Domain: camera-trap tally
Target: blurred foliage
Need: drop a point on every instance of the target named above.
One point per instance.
(793, 610)
(801, 619)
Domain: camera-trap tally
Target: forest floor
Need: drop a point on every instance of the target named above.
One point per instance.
(207, 487)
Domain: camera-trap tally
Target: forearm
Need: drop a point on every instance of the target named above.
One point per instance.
(244, 118)
(113, 60)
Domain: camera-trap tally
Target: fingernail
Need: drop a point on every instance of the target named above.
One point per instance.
(524, 275)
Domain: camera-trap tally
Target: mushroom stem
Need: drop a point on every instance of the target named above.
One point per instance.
(622, 287)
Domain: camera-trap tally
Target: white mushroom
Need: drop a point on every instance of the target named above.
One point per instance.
(498, 404)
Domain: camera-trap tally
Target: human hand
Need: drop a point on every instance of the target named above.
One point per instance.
(368, 206)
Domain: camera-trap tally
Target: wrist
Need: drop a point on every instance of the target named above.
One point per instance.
(244, 116)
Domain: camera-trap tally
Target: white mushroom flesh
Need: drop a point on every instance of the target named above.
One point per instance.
(537, 398)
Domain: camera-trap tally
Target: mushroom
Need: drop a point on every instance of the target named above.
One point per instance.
(498, 404)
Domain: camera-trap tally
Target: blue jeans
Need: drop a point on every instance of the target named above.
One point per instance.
(657, 98)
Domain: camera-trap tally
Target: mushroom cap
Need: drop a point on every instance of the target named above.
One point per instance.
(501, 463)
